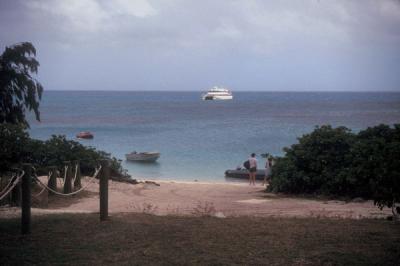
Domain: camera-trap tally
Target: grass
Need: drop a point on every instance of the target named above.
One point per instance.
(142, 239)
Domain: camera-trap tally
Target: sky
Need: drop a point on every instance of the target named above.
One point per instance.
(190, 45)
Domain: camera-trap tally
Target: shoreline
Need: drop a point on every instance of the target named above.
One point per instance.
(239, 182)
(190, 198)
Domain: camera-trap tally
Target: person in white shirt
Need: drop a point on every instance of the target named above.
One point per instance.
(268, 166)
(253, 169)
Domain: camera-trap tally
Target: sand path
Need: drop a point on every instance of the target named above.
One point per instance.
(196, 198)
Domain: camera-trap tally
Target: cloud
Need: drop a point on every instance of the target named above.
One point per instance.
(91, 16)
(262, 26)
(136, 8)
(215, 38)
(228, 30)
(75, 15)
(390, 9)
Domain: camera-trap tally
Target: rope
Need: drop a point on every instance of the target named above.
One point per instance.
(9, 183)
(72, 193)
(58, 179)
(16, 181)
(40, 193)
(76, 174)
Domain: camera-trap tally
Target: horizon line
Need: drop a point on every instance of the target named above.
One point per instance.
(251, 91)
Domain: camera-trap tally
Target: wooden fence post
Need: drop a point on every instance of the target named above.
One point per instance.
(104, 176)
(26, 200)
(68, 178)
(52, 183)
(77, 182)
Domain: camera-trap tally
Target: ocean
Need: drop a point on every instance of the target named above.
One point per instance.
(199, 140)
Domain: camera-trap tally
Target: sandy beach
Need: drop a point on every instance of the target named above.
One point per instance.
(196, 199)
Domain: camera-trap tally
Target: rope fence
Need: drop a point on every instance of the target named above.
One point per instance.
(24, 179)
(16, 179)
(72, 193)
(9, 183)
(76, 173)
(14, 182)
(43, 189)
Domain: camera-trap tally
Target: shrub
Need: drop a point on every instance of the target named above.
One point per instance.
(316, 164)
(334, 161)
(13, 140)
(375, 168)
(17, 147)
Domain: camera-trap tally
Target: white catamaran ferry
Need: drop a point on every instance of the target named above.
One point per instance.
(217, 93)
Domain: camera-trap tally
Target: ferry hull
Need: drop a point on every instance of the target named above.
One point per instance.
(217, 97)
(217, 93)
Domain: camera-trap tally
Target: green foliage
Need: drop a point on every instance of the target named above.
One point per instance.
(13, 140)
(316, 163)
(335, 161)
(17, 147)
(19, 92)
(18, 89)
(377, 163)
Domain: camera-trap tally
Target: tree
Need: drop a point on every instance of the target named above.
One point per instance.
(13, 143)
(376, 163)
(18, 89)
(334, 161)
(316, 163)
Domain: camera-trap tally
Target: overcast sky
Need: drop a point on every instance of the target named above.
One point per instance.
(323, 45)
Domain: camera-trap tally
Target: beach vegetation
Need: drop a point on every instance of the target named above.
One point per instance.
(145, 207)
(337, 162)
(17, 147)
(19, 90)
(204, 209)
(376, 165)
(13, 143)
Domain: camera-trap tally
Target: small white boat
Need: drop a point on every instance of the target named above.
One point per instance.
(217, 93)
(142, 156)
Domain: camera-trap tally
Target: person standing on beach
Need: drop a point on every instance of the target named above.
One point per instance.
(268, 166)
(253, 169)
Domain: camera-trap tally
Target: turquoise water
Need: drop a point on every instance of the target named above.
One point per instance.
(201, 139)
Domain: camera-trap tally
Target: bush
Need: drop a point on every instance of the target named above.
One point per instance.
(376, 157)
(316, 164)
(13, 140)
(335, 161)
(17, 147)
